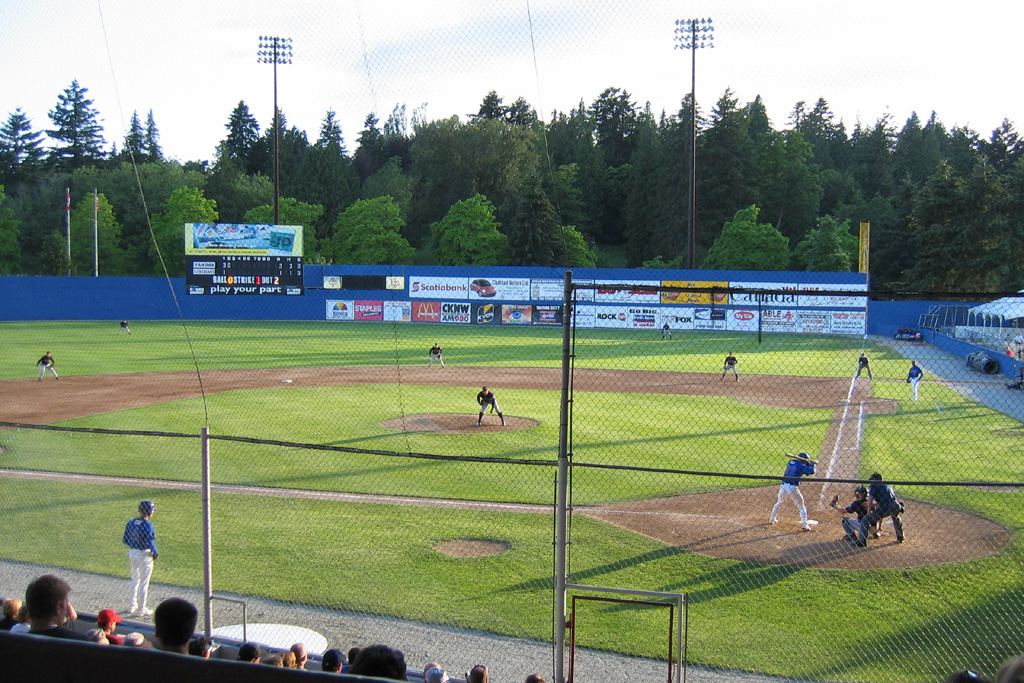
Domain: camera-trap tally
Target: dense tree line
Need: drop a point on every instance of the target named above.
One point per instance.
(602, 184)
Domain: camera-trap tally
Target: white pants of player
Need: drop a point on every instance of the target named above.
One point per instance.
(142, 571)
(494, 409)
(437, 357)
(44, 368)
(729, 368)
(790, 491)
(913, 383)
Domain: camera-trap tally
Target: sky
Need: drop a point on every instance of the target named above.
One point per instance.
(191, 62)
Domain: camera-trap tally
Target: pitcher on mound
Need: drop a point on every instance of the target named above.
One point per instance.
(486, 398)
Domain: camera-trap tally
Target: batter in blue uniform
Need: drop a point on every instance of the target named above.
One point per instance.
(140, 537)
(800, 465)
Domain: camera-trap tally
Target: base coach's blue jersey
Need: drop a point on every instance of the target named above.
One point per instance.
(139, 534)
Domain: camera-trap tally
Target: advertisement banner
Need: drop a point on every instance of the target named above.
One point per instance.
(814, 322)
(677, 318)
(852, 322)
(709, 319)
(454, 312)
(501, 288)
(426, 311)
(694, 298)
(398, 311)
(438, 287)
(635, 292)
(486, 314)
(516, 314)
(368, 310)
(826, 300)
(611, 316)
(332, 282)
(778, 320)
(243, 239)
(339, 310)
(584, 317)
(742, 319)
(547, 315)
(766, 293)
(643, 318)
(552, 290)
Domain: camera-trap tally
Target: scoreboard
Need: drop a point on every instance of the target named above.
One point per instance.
(229, 258)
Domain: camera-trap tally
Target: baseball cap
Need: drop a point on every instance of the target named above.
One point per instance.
(108, 616)
(147, 507)
(802, 456)
(333, 659)
(435, 675)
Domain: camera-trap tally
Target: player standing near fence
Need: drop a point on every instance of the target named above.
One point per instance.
(863, 364)
(140, 537)
(435, 354)
(124, 327)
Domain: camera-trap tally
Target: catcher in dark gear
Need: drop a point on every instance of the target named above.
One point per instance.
(859, 507)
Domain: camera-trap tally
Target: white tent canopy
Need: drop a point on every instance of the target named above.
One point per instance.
(1008, 308)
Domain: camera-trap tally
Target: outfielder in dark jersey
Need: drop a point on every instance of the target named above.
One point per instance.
(47, 363)
(487, 398)
(730, 366)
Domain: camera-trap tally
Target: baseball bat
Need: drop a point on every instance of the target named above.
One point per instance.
(792, 455)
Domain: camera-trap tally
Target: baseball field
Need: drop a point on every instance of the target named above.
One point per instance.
(353, 477)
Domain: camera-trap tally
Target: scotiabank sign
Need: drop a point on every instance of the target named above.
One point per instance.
(438, 288)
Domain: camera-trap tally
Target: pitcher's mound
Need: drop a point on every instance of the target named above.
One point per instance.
(459, 423)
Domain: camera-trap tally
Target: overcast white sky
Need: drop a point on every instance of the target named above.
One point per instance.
(192, 61)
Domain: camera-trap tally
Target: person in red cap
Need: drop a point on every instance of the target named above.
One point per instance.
(108, 620)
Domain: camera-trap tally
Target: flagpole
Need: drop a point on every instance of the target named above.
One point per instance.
(67, 214)
(95, 234)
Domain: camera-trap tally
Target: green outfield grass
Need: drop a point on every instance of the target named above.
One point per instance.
(779, 613)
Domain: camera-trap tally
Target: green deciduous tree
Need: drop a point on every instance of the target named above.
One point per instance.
(830, 247)
(369, 232)
(107, 232)
(185, 205)
(77, 130)
(468, 235)
(746, 244)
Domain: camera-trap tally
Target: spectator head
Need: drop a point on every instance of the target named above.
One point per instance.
(47, 599)
(353, 652)
(273, 660)
(288, 660)
(174, 623)
(380, 661)
(301, 655)
(1012, 671)
(535, 678)
(97, 636)
(135, 639)
(108, 620)
(249, 652)
(333, 660)
(11, 607)
(966, 676)
(435, 674)
(201, 647)
(478, 674)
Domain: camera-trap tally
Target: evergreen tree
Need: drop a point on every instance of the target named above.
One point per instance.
(535, 236)
(134, 140)
(20, 152)
(151, 141)
(615, 120)
(77, 130)
(1004, 148)
(370, 154)
(10, 248)
(243, 137)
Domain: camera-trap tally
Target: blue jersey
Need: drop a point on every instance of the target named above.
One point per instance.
(914, 372)
(139, 534)
(796, 469)
(883, 494)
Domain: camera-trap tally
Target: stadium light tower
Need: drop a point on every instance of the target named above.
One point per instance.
(693, 34)
(275, 50)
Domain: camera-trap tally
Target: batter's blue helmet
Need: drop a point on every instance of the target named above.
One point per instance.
(147, 507)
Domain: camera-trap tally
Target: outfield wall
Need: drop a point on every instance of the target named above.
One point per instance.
(131, 298)
(773, 302)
